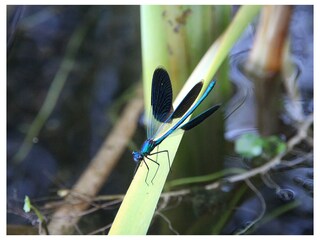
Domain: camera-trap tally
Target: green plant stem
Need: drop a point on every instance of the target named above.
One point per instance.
(204, 178)
(54, 91)
(28, 207)
(139, 204)
(41, 219)
(225, 216)
(274, 214)
(152, 34)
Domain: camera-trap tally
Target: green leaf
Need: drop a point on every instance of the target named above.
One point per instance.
(273, 146)
(281, 148)
(27, 204)
(249, 145)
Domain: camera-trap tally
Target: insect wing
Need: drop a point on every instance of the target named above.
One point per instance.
(200, 118)
(161, 95)
(161, 101)
(188, 100)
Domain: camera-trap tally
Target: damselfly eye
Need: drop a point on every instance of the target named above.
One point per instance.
(137, 156)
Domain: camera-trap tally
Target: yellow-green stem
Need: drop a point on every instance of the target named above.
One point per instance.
(139, 204)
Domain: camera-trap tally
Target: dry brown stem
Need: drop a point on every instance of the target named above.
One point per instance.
(90, 182)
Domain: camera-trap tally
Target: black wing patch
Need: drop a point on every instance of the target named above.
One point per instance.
(161, 95)
(188, 100)
(198, 119)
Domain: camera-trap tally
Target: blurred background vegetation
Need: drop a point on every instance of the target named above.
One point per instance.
(83, 62)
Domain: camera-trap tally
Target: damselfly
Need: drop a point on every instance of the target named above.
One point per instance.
(163, 115)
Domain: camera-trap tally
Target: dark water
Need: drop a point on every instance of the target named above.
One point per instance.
(108, 63)
(285, 189)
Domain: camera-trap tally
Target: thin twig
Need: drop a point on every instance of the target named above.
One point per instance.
(263, 207)
(96, 208)
(297, 161)
(100, 229)
(78, 230)
(167, 221)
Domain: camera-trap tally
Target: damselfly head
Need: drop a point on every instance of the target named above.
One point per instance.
(137, 156)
